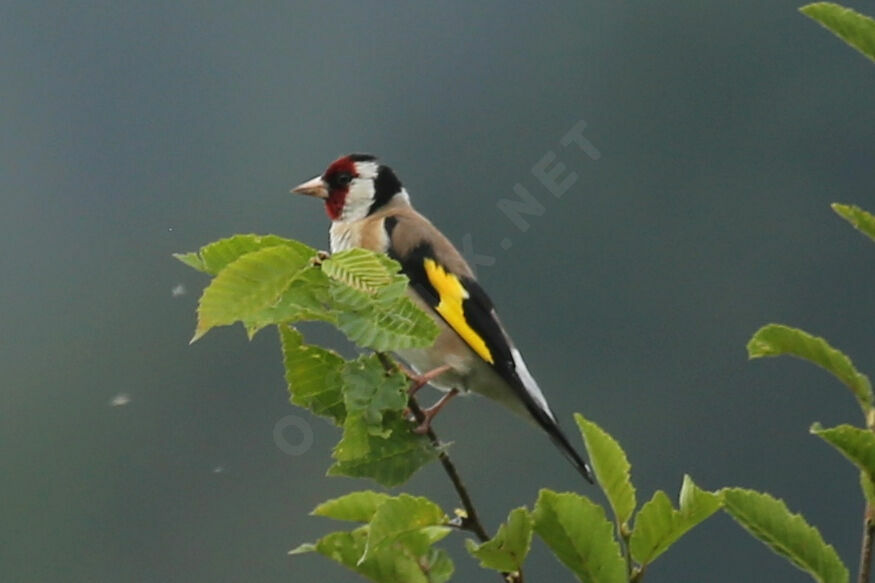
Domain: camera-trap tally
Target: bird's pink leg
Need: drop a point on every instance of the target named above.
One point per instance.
(433, 410)
(420, 380)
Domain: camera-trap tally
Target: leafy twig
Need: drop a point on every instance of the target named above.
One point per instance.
(471, 521)
(624, 536)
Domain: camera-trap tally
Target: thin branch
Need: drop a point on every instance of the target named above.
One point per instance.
(637, 574)
(868, 519)
(866, 550)
(470, 521)
(623, 535)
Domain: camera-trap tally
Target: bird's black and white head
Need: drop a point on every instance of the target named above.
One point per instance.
(354, 186)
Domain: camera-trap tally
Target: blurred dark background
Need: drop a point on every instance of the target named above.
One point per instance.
(129, 131)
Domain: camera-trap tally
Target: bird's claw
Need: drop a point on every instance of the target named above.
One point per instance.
(428, 414)
(320, 257)
(420, 380)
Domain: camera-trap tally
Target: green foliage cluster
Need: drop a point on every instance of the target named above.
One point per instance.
(263, 281)
(268, 280)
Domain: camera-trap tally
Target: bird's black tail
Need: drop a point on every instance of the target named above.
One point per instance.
(548, 423)
(556, 435)
(540, 413)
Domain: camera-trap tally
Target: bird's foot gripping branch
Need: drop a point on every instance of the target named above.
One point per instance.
(263, 281)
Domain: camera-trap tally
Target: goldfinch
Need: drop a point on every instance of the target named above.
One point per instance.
(369, 208)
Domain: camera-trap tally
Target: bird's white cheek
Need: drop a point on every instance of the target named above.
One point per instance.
(358, 200)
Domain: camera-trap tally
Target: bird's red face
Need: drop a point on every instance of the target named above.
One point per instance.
(337, 178)
(352, 187)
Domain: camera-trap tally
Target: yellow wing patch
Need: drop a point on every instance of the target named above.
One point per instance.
(452, 293)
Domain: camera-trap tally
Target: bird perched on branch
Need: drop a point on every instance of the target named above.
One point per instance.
(369, 208)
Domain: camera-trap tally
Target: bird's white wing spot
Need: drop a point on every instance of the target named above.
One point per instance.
(529, 382)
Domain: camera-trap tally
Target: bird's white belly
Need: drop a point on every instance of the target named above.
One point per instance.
(469, 373)
(423, 360)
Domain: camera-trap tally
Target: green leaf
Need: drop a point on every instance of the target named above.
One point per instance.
(305, 298)
(368, 292)
(350, 299)
(658, 525)
(248, 285)
(397, 326)
(306, 293)
(775, 340)
(507, 550)
(192, 259)
(216, 256)
(355, 444)
(388, 564)
(392, 293)
(313, 375)
(359, 269)
(438, 566)
(355, 506)
(788, 535)
(856, 444)
(860, 219)
(414, 522)
(579, 534)
(852, 27)
(610, 466)
(370, 390)
(390, 460)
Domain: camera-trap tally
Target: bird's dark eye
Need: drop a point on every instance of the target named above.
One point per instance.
(344, 178)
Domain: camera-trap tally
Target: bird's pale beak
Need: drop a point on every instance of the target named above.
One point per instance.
(313, 187)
